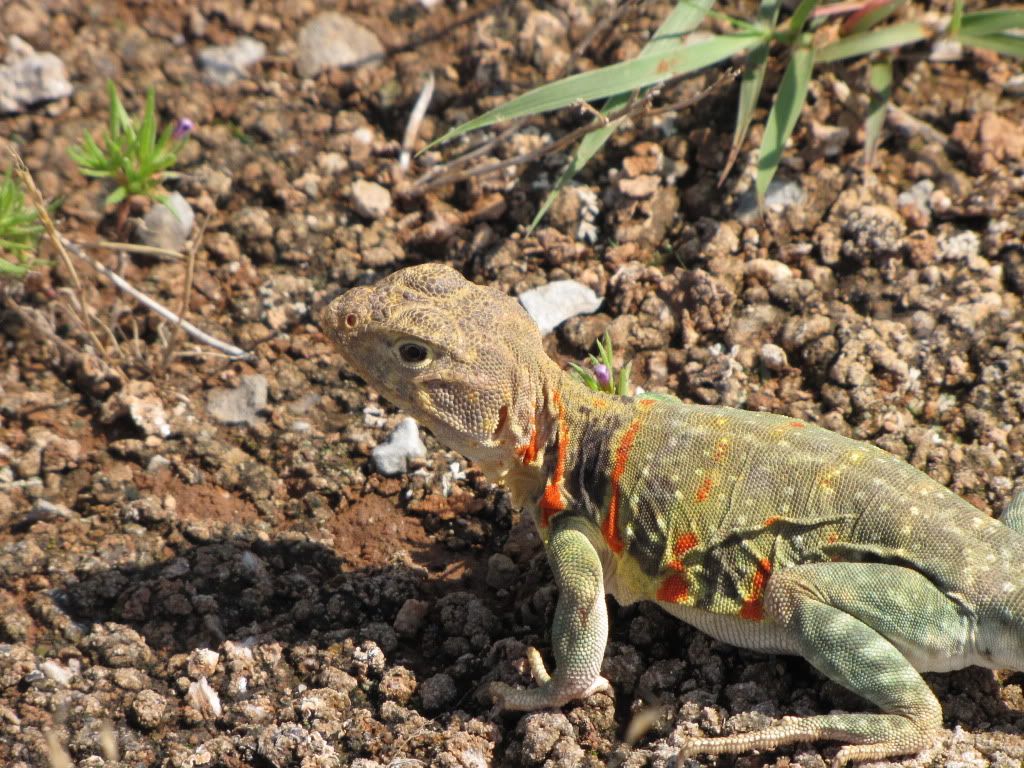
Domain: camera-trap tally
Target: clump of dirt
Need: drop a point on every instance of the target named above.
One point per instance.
(180, 591)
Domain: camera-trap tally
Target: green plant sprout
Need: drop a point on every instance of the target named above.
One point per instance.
(814, 33)
(132, 153)
(600, 376)
(20, 231)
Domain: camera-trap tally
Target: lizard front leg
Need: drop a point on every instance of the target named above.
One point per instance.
(855, 622)
(579, 632)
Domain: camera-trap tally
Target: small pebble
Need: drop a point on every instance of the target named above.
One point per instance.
(391, 458)
(370, 200)
(240, 405)
(28, 77)
(552, 304)
(225, 64)
(167, 224)
(332, 39)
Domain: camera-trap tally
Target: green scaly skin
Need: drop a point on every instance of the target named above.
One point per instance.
(761, 530)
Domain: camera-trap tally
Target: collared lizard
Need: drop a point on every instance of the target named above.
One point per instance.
(762, 530)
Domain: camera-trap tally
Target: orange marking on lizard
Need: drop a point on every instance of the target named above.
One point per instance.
(610, 527)
(797, 424)
(833, 537)
(705, 488)
(551, 503)
(527, 453)
(675, 588)
(753, 607)
(600, 403)
(684, 544)
(770, 521)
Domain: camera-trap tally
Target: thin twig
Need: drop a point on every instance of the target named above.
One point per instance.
(412, 128)
(186, 297)
(43, 328)
(638, 108)
(152, 250)
(25, 176)
(229, 349)
(899, 118)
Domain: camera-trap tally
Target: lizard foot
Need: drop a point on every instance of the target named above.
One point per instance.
(899, 738)
(550, 693)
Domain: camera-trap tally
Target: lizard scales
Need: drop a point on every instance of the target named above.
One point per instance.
(762, 530)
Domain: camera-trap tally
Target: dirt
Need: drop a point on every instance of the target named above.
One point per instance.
(177, 591)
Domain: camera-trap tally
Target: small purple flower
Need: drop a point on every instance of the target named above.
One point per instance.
(602, 374)
(182, 128)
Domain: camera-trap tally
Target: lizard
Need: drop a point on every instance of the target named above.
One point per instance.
(763, 531)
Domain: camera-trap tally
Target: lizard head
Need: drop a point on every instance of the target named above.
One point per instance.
(464, 359)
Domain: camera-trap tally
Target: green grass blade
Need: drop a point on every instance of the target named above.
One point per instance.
(785, 111)
(685, 17)
(880, 83)
(116, 196)
(992, 20)
(800, 16)
(863, 21)
(9, 269)
(147, 133)
(957, 19)
(895, 36)
(750, 91)
(751, 84)
(1008, 45)
(618, 78)
(115, 114)
(585, 151)
(14, 245)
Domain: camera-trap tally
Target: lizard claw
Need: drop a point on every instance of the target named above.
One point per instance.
(498, 694)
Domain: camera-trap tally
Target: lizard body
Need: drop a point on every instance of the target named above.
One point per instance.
(761, 530)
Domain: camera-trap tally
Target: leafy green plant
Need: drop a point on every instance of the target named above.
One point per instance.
(815, 33)
(132, 154)
(600, 376)
(19, 231)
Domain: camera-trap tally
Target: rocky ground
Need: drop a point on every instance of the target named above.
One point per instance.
(200, 564)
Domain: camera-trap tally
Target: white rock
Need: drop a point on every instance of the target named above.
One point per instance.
(240, 405)
(773, 357)
(392, 457)
(202, 662)
(167, 224)
(768, 270)
(552, 304)
(779, 196)
(226, 64)
(961, 247)
(139, 401)
(370, 199)
(57, 672)
(918, 196)
(28, 77)
(331, 39)
(202, 698)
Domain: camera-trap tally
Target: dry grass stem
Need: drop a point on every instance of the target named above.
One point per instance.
(197, 333)
(25, 177)
(186, 297)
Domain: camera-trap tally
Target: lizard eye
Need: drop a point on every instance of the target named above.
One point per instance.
(413, 353)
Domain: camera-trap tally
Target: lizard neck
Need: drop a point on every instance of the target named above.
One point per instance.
(545, 436)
